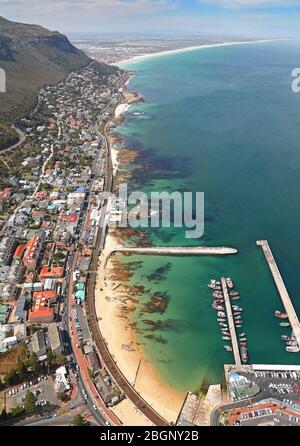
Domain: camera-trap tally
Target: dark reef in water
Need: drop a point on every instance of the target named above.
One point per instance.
(158, 303)
(168, 325)
(160, 273)
(159, 339)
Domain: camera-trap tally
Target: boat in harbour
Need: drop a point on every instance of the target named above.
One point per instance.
(229, 283)
(285, 324)
(281, 315)
(228, 348)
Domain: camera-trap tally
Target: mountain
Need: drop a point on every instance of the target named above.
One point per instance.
(33, 56)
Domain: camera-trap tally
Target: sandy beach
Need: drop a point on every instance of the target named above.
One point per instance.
(144, 57)
(114, 305)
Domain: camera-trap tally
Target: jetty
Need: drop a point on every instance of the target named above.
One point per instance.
(167, 251)
(231, 324)
(286, 300)
(179, 251)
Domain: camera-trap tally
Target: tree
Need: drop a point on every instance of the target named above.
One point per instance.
(62, 396)
(78, 421)
(33, 362)
(50, 357)
(11, 377)
(21, 369)
(29, 402)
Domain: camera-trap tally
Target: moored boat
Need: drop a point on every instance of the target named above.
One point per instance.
(281, 315)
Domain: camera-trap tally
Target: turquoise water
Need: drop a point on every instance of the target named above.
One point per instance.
(225, 122)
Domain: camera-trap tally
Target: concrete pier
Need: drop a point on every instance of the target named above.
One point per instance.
(231, 324)
(286, 300)
(180, 251)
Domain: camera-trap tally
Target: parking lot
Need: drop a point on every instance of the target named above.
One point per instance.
(81, 325)
(43, 388)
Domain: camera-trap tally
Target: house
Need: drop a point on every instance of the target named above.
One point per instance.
(8, 343)
(33, 250)
(48, 273)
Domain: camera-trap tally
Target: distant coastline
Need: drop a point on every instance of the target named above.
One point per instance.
(144, 57)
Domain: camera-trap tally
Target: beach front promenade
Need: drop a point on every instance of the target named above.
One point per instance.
(286, 300)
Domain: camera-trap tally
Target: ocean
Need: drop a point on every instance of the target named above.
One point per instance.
(223, 121)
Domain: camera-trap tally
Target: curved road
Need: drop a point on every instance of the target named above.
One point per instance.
(22, 137)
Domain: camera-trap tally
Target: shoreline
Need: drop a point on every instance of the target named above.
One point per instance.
(141, 58)
(115, 303)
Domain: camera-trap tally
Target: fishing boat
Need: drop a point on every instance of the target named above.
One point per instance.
(236, 308)
(281, 315)
(228, 348)
(244, 354)
(218, 294)
(234, 294)
(293, 349)
(229, 283)
(218, 307)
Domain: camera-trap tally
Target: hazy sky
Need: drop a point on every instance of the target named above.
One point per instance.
(206, 17)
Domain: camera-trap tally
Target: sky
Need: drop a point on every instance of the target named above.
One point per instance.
(236, 18)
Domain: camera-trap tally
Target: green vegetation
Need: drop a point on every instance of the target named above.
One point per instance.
(78, 421)
(29, 402)
(33, 56)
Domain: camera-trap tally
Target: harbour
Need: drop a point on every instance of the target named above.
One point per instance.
(284, 295)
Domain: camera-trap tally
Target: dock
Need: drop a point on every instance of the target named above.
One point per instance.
(180, 251)
(231, 324)
(286, 300)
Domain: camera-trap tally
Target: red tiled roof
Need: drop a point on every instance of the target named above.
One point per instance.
(19, 251)
(47, 273)
(50, 294)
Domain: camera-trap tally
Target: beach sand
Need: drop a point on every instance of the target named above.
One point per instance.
(113, 307)
(143, 57)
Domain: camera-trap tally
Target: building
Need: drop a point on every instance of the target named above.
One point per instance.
(33, 250)
(54, 339)
(4, 313)
(8, 343)
(46, 294)
(20, 331)
(7, 248)
(18, 254)
(50, 273)
(21, 310)
(41, 316)
(61, 380)
(38, 344)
